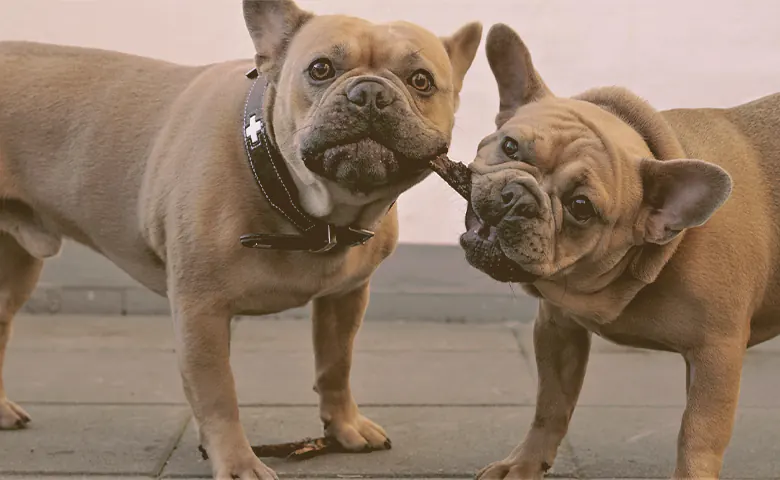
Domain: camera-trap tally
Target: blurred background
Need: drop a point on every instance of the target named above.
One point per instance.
(674, 53)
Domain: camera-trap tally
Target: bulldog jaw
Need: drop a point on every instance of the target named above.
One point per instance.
(483, 251)
(480, 242)
(365, 165)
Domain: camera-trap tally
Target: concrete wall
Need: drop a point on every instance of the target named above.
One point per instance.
(673, 52)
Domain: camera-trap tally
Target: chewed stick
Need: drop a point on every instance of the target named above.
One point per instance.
(300, 450)
(456, 174)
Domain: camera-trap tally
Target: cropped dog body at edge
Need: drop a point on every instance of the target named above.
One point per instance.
(145, 162)
(652, 229)
(125, 208)
(736, 253)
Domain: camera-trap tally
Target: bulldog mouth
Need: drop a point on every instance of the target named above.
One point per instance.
(483, 252)
(480, 242)
(363, 165)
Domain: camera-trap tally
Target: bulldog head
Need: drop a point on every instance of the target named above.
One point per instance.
(358, 109)
(565, 188)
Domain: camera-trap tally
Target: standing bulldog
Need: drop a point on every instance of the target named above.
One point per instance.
(163, 168)
(624, 222)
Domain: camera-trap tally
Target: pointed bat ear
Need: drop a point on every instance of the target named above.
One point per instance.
(680, 194)
(272, 24)
(462, 48)
(517, 79)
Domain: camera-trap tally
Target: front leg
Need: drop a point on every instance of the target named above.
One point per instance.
(337, 319)
(714, 374)
(202, 331)
(561, 349)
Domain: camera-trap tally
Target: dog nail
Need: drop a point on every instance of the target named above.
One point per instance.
(388, 444)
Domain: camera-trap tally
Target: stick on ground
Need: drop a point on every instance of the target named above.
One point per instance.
(300, 450)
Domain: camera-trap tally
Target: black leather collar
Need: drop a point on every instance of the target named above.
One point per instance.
(273, 178)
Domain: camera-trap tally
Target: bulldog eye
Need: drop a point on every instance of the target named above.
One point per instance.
(581, 208)
(321, 70)
(510, 147)
(421, 80)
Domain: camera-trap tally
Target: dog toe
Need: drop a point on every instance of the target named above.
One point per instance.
(359, 434)
(12, 416)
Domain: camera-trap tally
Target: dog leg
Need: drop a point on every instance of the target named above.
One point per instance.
(19, 273)
(561, 348)
(203, 347)
(336, 322)
(714, 374)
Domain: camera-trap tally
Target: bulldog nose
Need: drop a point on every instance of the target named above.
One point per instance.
(518, 201)
(370, 93)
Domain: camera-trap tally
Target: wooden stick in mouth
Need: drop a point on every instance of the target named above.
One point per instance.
(456, 174)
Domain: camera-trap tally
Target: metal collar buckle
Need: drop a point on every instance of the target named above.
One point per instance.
(330, 241)
(362, 234)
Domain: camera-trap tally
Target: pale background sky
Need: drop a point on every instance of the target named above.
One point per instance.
(675, 53)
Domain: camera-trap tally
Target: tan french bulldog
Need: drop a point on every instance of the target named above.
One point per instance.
(146, 162)
(624, 222)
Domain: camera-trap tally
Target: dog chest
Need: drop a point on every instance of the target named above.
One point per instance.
(282, 281)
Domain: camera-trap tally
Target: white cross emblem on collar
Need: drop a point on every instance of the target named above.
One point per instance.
(253, 129)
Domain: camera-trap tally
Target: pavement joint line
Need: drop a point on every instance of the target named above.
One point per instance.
(454, 292)
(55, 474)
(367, 405)
(279, 318)
(527, 356)
(273, 405)
(388, 476)
(245, 350)
(172, 445)
(99, 350)
(575, 460)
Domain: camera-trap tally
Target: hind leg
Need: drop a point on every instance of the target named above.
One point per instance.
(19, 273)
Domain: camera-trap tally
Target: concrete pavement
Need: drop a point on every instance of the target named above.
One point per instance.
(106, 402)
(417, 282)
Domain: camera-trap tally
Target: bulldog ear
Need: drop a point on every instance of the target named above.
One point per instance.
(680, 194)
(272, 24)
(462, 48)
(510, 61)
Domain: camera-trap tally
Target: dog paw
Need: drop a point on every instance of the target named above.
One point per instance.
(12, 416)
(243, 467)
(512, 470)
(358, 434)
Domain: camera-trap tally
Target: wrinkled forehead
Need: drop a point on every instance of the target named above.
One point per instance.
(548, 133)
(560, 141)
(369, 44)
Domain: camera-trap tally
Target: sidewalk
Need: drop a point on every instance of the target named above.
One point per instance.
(106, 401)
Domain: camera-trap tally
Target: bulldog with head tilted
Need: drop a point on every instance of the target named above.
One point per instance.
(652, 229)
(148, 163)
